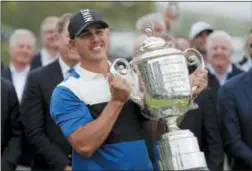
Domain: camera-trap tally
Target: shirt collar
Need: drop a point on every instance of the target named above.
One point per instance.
(228, 71)
(64, 67)
(46, 57)
(87, 74)
(14, 70)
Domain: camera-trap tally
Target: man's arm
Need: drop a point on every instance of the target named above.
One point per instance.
(84, 133)
(12, 152)
(91, 136)
(230, 127)
(214, 148)
(32, 116)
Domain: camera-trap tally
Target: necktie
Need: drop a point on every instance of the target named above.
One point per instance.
(69, 73)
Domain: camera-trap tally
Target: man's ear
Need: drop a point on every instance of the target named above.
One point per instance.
(72, 43)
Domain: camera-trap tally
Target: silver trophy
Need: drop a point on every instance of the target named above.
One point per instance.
(159, 79)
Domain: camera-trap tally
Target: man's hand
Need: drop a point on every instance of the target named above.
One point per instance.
(120, 90)
(199, 79)
(67, 168)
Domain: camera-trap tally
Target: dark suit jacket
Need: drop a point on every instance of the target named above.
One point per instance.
(26, 158)
(203, 123)
(11, 128)
(36, 61)
(6, 73)
(51, 146)
(235, 111)
(213, 82)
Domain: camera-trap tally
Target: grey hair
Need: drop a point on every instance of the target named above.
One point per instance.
(153, 17)
(219, 34)
(48, 20)
(21, 32)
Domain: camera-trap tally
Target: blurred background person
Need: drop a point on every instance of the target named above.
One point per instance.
(51, 147)
(171, 14)
(49, 46)
(170, 42)
(22, 46)
(235, 111)
(157, 20)
(203, 122)
(11, 127)
(198, 34)
(182, 43)
(246, 62)
(219, 51)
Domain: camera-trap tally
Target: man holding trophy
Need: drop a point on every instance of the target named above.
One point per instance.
(101, 107)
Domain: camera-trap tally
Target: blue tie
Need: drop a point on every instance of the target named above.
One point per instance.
(69, 73)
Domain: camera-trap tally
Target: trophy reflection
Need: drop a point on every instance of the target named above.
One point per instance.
(159, 79)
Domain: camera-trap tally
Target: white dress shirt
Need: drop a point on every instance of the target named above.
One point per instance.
(19, 80)
(46, 58)
(64, 67)
(246, 66)
(224, 78)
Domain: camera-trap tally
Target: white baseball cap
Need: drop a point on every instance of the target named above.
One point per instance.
(199, 27)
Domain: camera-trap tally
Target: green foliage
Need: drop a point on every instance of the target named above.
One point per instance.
(30, 14)
(119, 14)
(4, 53)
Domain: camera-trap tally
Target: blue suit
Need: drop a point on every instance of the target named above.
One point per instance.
(235, 112)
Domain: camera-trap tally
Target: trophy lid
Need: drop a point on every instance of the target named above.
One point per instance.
(153, 46)
(151, 43)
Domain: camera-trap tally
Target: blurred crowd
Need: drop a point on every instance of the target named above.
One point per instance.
(32, 140)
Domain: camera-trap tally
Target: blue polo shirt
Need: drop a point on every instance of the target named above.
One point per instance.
(124, 149)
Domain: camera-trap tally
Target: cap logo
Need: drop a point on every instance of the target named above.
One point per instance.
(86, 15)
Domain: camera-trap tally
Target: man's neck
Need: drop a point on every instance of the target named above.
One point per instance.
(19, 66)
(96, 67)
(70, 63)
(220, 71)
(52, 52)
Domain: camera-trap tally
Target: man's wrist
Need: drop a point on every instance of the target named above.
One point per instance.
(116, 103)
(67, 168)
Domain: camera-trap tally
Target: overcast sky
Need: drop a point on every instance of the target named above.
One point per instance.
(241, 10)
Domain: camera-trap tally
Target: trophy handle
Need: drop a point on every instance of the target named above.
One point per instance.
(121, 67)
(192, 57)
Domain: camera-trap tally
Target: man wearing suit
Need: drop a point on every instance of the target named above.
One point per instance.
(52, 149)
(219, 51)
(235, 111)
(11, 128)
(22, 45)
(49, 51)
(202, 121)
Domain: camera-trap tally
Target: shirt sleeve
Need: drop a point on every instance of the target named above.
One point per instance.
(68, 111)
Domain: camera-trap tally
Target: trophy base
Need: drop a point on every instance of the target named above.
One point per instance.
(179, 150)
